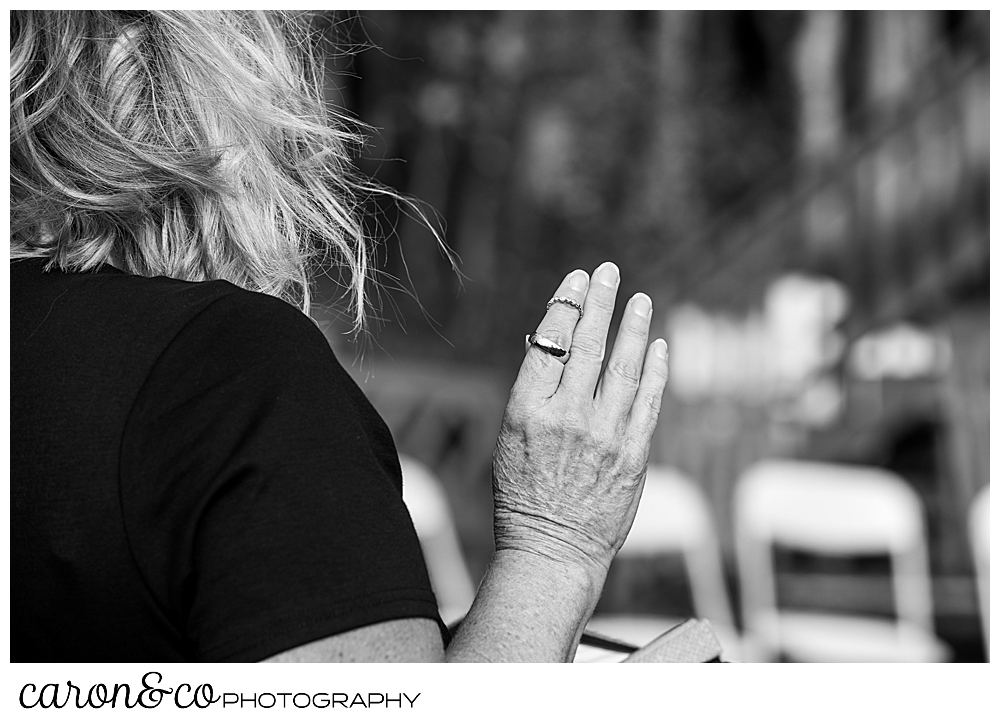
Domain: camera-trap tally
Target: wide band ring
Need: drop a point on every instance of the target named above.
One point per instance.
(565, 300)
(546, 345)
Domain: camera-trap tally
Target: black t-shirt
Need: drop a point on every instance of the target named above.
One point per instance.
(194, 477)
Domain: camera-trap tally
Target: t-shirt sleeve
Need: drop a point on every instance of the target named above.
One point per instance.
(261, 492)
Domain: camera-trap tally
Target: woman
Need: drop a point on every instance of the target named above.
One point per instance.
(193, 475)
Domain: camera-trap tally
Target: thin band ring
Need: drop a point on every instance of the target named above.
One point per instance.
(565, 300)
(546, 345)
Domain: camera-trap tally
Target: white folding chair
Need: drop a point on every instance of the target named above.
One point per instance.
(673, 518)
(835, 510)
(427, 502)
(979, 537)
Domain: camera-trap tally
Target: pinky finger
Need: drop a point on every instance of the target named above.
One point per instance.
(646, 406)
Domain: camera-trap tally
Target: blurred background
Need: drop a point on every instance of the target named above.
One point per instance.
(805, 197)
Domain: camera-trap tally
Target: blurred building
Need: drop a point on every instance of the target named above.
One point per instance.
(805, 196)
(889, 199)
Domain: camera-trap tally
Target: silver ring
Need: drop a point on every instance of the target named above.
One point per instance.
(565, 300)
(546, 345)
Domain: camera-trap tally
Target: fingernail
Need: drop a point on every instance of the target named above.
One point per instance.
(641, 305)
(660, 348)
(607, 274)
(577, 280)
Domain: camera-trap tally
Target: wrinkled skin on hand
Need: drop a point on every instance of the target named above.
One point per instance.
(571, 457)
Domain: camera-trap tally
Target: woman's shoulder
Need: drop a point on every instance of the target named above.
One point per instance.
(145, 306)
(128, 325)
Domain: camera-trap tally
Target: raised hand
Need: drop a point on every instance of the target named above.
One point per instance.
(571, 457)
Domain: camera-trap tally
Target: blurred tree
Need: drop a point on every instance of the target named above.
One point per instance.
(547, 141)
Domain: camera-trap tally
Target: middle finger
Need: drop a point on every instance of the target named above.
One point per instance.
(590, 337)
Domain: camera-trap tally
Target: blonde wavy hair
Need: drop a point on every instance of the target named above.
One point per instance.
(194, 145)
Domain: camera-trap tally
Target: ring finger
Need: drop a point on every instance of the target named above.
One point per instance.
(556, 328)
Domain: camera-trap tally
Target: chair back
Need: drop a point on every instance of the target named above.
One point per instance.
(674, 517)
(426, 499)
(829, 509)
(979, 538)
